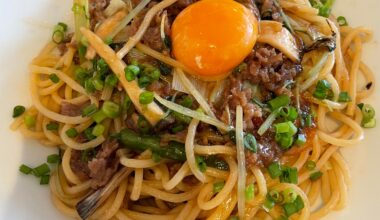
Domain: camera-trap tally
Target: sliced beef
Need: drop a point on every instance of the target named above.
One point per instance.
(270, 69)
(104, 165)
(269, 10)
(79, 166)
(70, 109)
(96, 8)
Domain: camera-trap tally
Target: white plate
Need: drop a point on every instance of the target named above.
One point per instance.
(25, 28)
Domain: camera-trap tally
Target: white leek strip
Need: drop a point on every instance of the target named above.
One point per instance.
(200, 85)
(191, 113)
(162, 25)
(268, 122)
(81, 17)
(241, 161)
(313, 74)
(114, 6)
(79, 146)
(193, 91)
(144, 25)
(129, 18)
(189, 148)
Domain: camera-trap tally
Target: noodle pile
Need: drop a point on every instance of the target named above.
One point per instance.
(146, 189)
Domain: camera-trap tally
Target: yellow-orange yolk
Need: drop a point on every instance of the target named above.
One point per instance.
(211, 37)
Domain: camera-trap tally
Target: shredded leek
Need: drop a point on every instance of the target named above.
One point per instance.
(81, 16)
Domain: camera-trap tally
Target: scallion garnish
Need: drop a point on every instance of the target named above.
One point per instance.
(54, 78)
(99, 116)
(289, 175)
(250, 143)
(342, 21)
(279, 101)
(323, 90)
(289, 195)
(310, 165)
(111, 109)
(300, 140)
(72, 133)
(111, 80)
(268, 204)
(146, 97)
(294, 207)
(289, 113)
(217, 187)
(275, 196)
(53, 158)
(89, 110)
(44, 179)
(201, 163)
(29, 121)
(98, 130)
(52, 126)
(25, 169)
(344, 97)
(41, 170)
(18, 110)
(98, 84)
(315, 176)
(249, 192)
(274, 170)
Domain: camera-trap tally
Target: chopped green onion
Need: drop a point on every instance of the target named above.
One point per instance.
(25, 169)
(301, 139)
(99, 116)
(289, 195)
(279, 101)
(282, 217)
(323, 90)
(156, 157)
(53, 158)
(98, 130)
(368, 112)
(98, 84)
(29, 121)
(129, 76)
(41, 170)
(88, 133)
(108, 40)
(250, 143)
(217, 187)
(187, 102)
(80, 74)
(294, 207)
(344, 97)
(101, 66)
(286, 127)
(315, 176)
(89, 110)
(243, 66)
(82, 50)
(89, 85)
(58, 36)
(370, 124)
(146, 97)
(309, 121)
(134, 69)
(249, 192)
(111, 80)
(289, 113)
(144, 81)
(72, 133)
(52, 126)
(126, 103)
(310, 165)
(268, 204)
(155, 74)
(44, 179)
(54, 78)
(111, 109)
(178, 128)
(201, 163)
(233, 218)
(143, 124)
(275, 196)
(18, 110)
(289, 175)
(274, 170)
(284, 140)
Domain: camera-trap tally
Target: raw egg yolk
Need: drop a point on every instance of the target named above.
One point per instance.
(211, 37)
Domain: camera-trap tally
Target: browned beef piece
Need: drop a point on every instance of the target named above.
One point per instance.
(104, 165)
(269, 10)
(79, 166)
(97, 8)
(271, 69)
(70, 109)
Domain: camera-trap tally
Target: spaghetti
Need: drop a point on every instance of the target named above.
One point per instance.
(135, 148)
